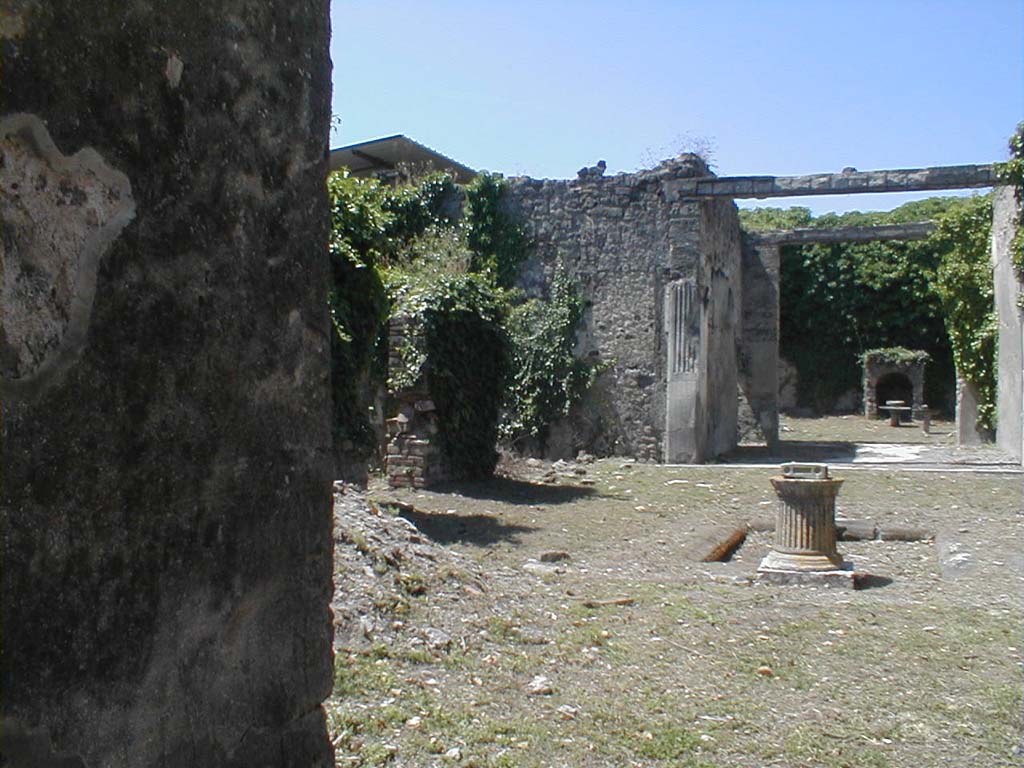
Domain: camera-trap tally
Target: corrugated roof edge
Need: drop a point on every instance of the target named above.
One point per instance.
(402, 137)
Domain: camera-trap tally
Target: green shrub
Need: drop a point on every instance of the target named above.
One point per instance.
(457, 345)
(449, 277)
(546, 377)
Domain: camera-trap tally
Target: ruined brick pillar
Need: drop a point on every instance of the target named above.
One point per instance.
(165, 511)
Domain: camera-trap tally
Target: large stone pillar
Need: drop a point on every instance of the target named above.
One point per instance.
(759, 343)
(967, 430)
(165, 510)
(1008, 290)
(685, 411)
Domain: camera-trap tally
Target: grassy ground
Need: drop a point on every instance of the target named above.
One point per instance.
(859, 429)
(696, 664)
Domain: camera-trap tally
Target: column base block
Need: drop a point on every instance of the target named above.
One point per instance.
(843, 577)
(803, 563)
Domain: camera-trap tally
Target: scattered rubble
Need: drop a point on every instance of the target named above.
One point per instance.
(386, 561)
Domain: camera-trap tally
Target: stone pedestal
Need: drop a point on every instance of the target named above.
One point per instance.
(805, 529)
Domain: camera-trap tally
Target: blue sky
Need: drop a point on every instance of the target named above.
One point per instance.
(772, 87)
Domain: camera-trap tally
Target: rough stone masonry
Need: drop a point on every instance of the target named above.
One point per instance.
(165, 510)
(661, 278)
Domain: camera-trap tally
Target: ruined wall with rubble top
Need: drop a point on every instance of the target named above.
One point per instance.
(623, 239)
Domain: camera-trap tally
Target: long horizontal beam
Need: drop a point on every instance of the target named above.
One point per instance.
(848, 182)
(918, 230)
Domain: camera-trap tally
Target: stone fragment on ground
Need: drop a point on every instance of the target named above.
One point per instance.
(714, 542)
(554, 556)
(539, 686)
(898, 532)
(542, 569)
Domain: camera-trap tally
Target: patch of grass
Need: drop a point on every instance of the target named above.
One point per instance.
(502, 629)
(917, 674)
(809, 746)
(412, 584)
(666, 742)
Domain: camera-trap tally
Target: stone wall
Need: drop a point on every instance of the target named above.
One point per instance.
(413, 457)
(1008, 290)
(166, 508)
(628, 243)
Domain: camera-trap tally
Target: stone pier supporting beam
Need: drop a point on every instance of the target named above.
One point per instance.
(1008, 290)
(758, 348)
(849, 182)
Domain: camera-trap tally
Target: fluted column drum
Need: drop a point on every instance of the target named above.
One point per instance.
(805, 525)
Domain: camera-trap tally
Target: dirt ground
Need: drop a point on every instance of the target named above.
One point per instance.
(560, 616)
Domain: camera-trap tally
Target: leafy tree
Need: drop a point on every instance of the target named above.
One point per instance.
(755, 219)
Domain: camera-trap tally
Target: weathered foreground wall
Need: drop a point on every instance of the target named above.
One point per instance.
(661, 276)
(165, 510)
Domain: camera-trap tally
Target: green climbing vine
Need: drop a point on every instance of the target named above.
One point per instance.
(498, 242)
(455, 343)
(895, 356)
(963, 283)
(546, 377)
(445, 258)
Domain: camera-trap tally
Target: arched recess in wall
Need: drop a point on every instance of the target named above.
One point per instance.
(894, 386)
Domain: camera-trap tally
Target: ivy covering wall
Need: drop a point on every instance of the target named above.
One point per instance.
(1012, 172)
(839, 300)
(964, 287)
(444, 258)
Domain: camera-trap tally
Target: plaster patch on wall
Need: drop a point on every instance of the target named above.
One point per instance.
(58, 216)
(12, 18)
(173, 70)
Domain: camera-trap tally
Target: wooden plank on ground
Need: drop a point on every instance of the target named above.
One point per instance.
(715, 542)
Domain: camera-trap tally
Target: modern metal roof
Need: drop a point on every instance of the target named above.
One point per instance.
(369, 158)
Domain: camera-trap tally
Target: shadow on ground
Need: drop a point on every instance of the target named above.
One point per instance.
(793, 450)
(871, 581)
(478, 530)
(512, 491)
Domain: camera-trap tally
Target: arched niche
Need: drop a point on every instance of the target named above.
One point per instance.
(893, 373)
